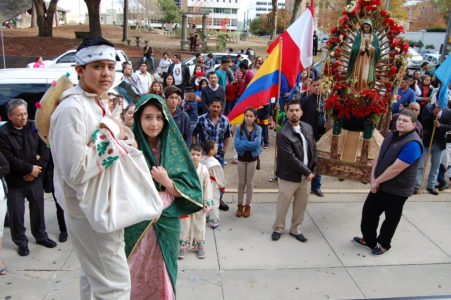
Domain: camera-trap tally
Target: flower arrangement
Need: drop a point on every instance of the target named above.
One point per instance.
(371, 103)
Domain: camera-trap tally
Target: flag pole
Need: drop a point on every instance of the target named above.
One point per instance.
(278, 107)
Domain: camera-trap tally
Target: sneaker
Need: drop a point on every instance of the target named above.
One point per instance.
(225, 163)
(214, 224)
(201, 253)
(432, 191)
(442, 187)
(360, 241)
(378, 250)
(223, 206)
(182, 253)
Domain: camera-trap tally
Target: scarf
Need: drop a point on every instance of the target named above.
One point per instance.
(176, 159)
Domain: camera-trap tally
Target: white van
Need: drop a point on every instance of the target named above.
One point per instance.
(31, 85)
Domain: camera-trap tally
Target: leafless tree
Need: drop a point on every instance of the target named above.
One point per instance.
(94, 17)
(45, 16)
(294, 12)
(274, 19)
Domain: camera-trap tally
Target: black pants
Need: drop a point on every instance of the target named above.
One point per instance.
(34, 193)
(374, 206)
(60, 215)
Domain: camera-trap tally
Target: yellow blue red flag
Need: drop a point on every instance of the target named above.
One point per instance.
(262, 87)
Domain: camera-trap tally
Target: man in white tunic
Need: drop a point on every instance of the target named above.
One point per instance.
(104, 268)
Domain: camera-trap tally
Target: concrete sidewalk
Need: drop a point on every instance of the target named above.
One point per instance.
(244, 263)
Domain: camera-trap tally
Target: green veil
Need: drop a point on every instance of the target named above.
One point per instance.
(176, 159)
(355, 51)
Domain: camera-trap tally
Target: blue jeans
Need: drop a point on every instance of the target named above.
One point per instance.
(441, 175)
(152, 62)
(316, 183)
(436, 155)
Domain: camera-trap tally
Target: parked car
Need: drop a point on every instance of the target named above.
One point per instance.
(318, 68)
(415, 60)
(67, 59)
(217, 56)
(31, 84)
(428, 51)
(432, 58)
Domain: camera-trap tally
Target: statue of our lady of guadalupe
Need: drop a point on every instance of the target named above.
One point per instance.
(365, 54)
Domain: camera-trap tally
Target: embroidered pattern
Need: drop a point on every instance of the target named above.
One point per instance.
(107, 150)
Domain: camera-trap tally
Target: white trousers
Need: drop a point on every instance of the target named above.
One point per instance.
(192, 230)
(104, 269)
(213, 214)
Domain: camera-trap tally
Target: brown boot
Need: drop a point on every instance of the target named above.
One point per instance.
(239, 211)
(247, 211)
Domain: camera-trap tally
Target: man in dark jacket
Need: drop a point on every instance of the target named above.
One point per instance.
(211, 92)
(180, 72)
(27, 155)
(392, 182)
(296, 167)
(433, 116)
(180, 117)
(313, 114)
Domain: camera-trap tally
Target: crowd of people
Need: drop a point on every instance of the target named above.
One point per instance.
(179, 122)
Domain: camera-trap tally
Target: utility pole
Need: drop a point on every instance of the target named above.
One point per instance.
(387, 4)
(125, 22)
(447, 42)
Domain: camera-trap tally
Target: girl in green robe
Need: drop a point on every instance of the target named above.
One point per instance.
(151, 246)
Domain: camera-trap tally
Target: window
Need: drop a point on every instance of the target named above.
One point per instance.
(68, 58)
(30, 92)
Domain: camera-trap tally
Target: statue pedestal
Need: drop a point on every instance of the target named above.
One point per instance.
(348, 155)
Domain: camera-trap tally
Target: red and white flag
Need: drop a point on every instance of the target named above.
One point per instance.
(297, 46)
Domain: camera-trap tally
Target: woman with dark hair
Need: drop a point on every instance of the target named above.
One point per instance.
(201, 84)
(168, 81)
(38, 63)
(248, 139)
(127, 115)
(426, 91)
(156, 88)
(198, 72)
(152, 246)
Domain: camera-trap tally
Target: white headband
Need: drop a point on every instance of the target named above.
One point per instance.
(95, 53)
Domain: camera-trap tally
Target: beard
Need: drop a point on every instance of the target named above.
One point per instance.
(294, 119)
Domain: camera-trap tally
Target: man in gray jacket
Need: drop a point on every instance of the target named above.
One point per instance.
(296, 167)
(392, 182)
